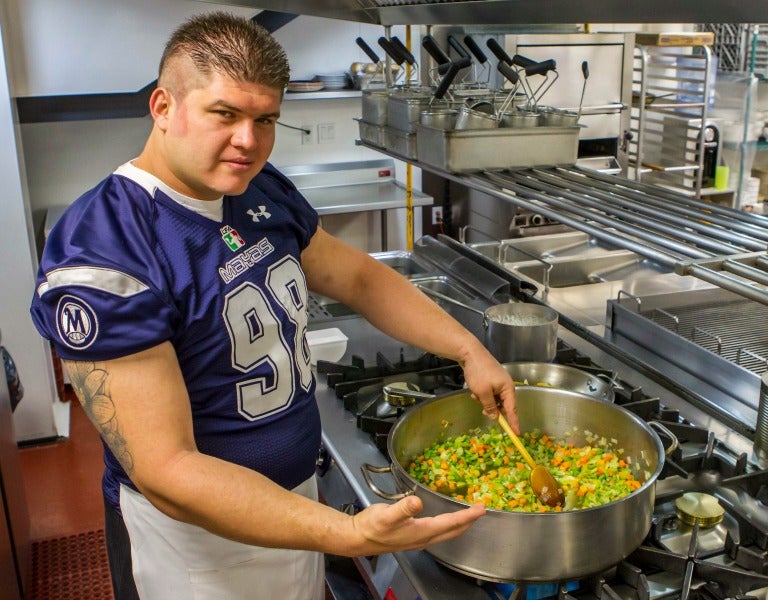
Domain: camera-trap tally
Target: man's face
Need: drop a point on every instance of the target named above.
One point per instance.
(218, 136)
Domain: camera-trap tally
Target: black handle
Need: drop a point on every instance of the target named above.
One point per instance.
(522, 61)
(430, 45)
(367, 49)
(508, 72)
(541, 68)
(498, 51)
(447, 80)
(401, 48)
(462, 63)
(391, 50)
(456, 45)
(475, 50)
(585, 69)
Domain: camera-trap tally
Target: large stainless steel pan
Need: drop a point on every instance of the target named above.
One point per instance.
(562, 377)
(533, 547)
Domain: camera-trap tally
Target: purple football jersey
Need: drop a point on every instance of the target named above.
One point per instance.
(124, 270)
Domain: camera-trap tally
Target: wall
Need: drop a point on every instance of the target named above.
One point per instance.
(35, 416)
(115, 47)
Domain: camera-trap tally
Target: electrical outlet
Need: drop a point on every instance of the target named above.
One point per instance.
(326, 132)
(306, 138)
(437, 215)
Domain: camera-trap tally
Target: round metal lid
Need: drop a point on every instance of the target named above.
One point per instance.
(697, 506)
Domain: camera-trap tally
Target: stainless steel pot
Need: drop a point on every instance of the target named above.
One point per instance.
(472, 118)
(561, 377)
(514, 331)
(439, 118)
(556, 117)
(533, 547)
(520, 118)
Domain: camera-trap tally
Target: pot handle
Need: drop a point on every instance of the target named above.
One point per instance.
(675, 443)
(612, 380)
(368, 469)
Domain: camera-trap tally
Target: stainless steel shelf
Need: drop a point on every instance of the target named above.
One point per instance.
(693, 237)
(322, 95)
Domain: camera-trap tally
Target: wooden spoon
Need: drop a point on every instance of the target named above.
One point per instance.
(543, 483)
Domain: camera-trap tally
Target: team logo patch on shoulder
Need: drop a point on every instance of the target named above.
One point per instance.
(76, 322)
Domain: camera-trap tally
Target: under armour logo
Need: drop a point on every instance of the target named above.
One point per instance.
(256, 215)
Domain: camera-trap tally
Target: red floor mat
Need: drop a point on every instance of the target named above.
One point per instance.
(70, 568)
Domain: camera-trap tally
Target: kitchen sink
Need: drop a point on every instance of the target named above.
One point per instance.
(444, 286)
(570, 271)
(322, 308)
(403, 262)
(572, 243)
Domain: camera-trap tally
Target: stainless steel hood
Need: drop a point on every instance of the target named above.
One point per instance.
(499, 12)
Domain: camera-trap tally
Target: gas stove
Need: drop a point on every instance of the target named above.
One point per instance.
(683, 556)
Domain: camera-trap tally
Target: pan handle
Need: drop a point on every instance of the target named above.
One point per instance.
(456, 45)
(541, 68)
(436, 52)
(461, 63)
(508, 72)
(391, 51)
(401, 49)
(447, 80)
(368, 50)
(475, 49)
(498, 51)
(522, 61)
(675, 443)
(368, 469)
(435, 294)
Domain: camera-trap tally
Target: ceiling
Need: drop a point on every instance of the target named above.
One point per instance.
(499, 12)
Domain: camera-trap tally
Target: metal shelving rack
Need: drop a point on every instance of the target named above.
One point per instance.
(740, 46)
(671, 89)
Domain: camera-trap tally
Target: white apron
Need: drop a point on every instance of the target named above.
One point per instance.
(178, 561)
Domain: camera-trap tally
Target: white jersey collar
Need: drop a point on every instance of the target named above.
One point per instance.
(212, 209)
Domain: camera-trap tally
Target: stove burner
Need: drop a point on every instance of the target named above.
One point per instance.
(698, 507)
(403, 393)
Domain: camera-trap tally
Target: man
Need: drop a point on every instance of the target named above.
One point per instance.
(181, 320)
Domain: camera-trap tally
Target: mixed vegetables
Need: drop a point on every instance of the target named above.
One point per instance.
(483, 466)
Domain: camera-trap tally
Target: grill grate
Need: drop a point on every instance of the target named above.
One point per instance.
(733, 330)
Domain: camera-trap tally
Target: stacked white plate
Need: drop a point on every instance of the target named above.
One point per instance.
(304, 86)
(333, 81)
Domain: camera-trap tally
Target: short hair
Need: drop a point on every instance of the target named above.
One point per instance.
(233, 46)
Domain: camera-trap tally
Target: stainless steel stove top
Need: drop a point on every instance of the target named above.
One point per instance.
(677, 560)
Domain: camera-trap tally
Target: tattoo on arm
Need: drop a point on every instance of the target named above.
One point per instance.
(91, 384)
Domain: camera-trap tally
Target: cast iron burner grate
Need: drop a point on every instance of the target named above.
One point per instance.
(360, 387)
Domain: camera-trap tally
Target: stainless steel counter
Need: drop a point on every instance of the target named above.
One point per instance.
(352, 187)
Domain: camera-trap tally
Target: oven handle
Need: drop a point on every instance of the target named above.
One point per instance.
(368, 469)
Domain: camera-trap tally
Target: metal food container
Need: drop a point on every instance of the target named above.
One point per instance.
(439, 118)
(483, 149)
(401, 142)
(375, 106)
(371, 133)
(557, 117)
(404, 108)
